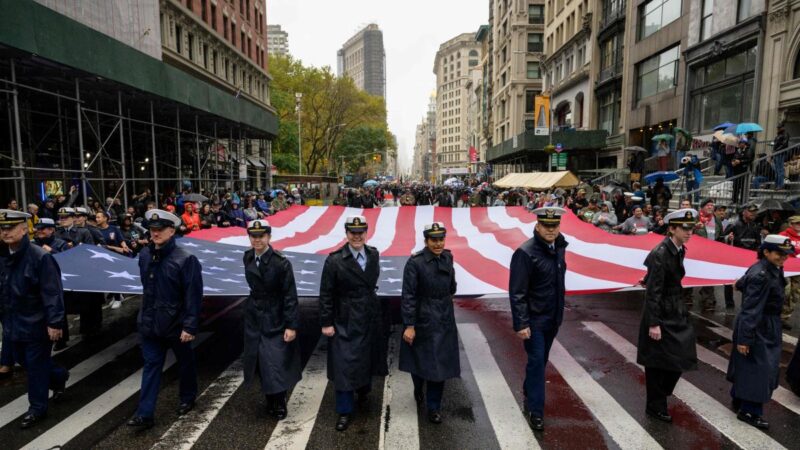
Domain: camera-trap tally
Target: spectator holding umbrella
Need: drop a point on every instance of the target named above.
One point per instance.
(755, 365)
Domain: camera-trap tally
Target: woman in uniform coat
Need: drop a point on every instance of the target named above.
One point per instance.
(270, 320)
(666, 336)
(429, 350)
(757, 334)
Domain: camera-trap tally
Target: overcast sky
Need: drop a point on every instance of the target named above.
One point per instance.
(412, 33)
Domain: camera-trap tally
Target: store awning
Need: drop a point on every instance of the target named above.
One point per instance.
(257, 162)
(538, 180)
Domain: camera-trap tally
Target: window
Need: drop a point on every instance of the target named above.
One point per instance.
(190, 46)
(796, 72)
(233, 33)
(745, 10)
(535, 43)
(657, 74)
(225, 26)
(178, 39)
(708, 19)
(608, 112)
(529, 124)
(534, 71)
(205, 55)
(535, 14)
(214, 61)
(214, 16)
(247, 10)
(530, 100)
(656, 14)
(241, 6)
(204, 10)
(723, 91)
(243, 43)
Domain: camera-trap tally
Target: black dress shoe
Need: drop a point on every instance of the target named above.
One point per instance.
(754, 420)
(185, 408)
(279, 411)
(662, 416)
(536, 423)
(140, 422)
(28, 420)
(435, 417)
(343, 422)
(58, 390)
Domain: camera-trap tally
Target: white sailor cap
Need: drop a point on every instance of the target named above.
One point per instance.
(81, 211)
(686, 218)
(550, 215)
(258, 227)
(776, 242)
(158, 218)
(9, 218)
(434, 230)
(66, 212)
(356, 224)
(45, 222)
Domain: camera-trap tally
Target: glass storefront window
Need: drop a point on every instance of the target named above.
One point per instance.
(656, 14)
(723, 91)
(658, 74)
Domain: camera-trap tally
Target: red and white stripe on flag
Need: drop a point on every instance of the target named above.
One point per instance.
(483, 239)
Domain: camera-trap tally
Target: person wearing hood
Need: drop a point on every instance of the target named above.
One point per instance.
(792, 295)
(237, 216)
(606, 220)
(754, 366)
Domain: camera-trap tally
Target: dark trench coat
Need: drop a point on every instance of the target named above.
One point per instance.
(270, 309)
(427, 303)
(758, 325)
(663, 306)
(349, 302)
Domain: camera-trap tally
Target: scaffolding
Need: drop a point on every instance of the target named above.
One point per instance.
(61, 127)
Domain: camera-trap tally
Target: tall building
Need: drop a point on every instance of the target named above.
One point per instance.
(425, 144)
(277, 40)
(780, 82)
(452, 66)
(363, 59)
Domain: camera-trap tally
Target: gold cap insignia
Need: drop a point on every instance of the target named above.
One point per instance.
(154, 216)
(356, 221)
(689, 215)
(2, 216)
(550, 213)
(257, 225)
(435, 227)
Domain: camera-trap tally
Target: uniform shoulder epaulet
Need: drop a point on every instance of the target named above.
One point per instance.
(446, 251)
(371, 247)
(278, 254)
(337, 251)
(419, 253)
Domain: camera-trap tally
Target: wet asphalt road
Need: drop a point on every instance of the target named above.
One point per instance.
(243, 423)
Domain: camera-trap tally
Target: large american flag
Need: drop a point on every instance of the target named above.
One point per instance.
(482, 241)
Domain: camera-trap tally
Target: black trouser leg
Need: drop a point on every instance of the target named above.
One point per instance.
(729, 296)
(660, 384)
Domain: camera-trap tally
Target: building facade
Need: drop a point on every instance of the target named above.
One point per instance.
(363, 59)
(425, 143)
(277, 40)
(452, 67)
(780, 82)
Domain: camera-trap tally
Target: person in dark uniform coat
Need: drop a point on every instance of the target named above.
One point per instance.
(270, 320)
(744, 233)
(32, 312)
(429, 350)
(536, 290)
(172, 293)
(82, 217)
(67, 231)
(352, 317)
(754, 367)
(46, 239)
(666, 336)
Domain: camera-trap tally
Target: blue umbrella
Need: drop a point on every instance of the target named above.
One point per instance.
(748, 127)
(666, 176)
(723, 125)
(731, 130)
(370, 183)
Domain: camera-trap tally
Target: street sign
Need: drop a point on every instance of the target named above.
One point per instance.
(559, 160)
(559, 148)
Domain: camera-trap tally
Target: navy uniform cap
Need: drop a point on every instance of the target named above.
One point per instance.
(434, 230)
(45, 222)
(549, 215)
(81, 211)
(158, 218)
(685, 218)
(9, 218)
(778, 243)
(66, 212)
(258, 228)
(355, 224)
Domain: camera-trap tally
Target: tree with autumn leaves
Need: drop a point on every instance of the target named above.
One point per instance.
(339, 122)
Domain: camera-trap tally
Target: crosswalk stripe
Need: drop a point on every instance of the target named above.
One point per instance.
(19, 406)
(93, 411)
(726, 332)
(400, 424)
(185, 432)
(623, 428)
(781, 395)
(508, 422)
(303, 406)
(703, 404)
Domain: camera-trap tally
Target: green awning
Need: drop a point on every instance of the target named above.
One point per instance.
(529, 142)
(36, 29)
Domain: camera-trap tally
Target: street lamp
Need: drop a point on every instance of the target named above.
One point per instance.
(298, 96)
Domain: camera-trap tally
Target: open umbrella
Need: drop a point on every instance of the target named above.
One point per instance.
(663, 137)
(727, 139)
(452, 181)
(195, 198)
(370, 183)
(723, 126)
(635, 148)
(772, 204)
(666, 176)
(685, 133)
(748, 127)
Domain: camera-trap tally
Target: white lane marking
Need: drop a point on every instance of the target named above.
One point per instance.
(185, 432)
(705, 406)
(387, 223)
(508, 422)
(400, 424)
(727, 333)
(93, 411)
(19, 406)
(294, 431)
(623, 428)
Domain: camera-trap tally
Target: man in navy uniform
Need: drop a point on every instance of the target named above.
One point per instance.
(536, 291)
(32, 311)
(68, 232)
(352, 317)
(172, 293)
(45, 231)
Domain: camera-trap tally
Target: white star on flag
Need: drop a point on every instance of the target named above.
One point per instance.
(189, 244)
(201, 260)
(64, 276)
(131, 287)
(385, 261)
(304, 289)
(394, 280)
(305, 282)
(386, 269)
(225, 258)
(124, 274)
(205, 250)
(309, 261)
(215, 268)
(228, 280)
(239, 275)
(210, 289)
(207, 273)
(101, 255)
(305, 272)
(289, 256)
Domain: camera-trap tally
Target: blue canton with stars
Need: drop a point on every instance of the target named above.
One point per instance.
(87, 268)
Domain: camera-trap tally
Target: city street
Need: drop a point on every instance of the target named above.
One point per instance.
(595, 391)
